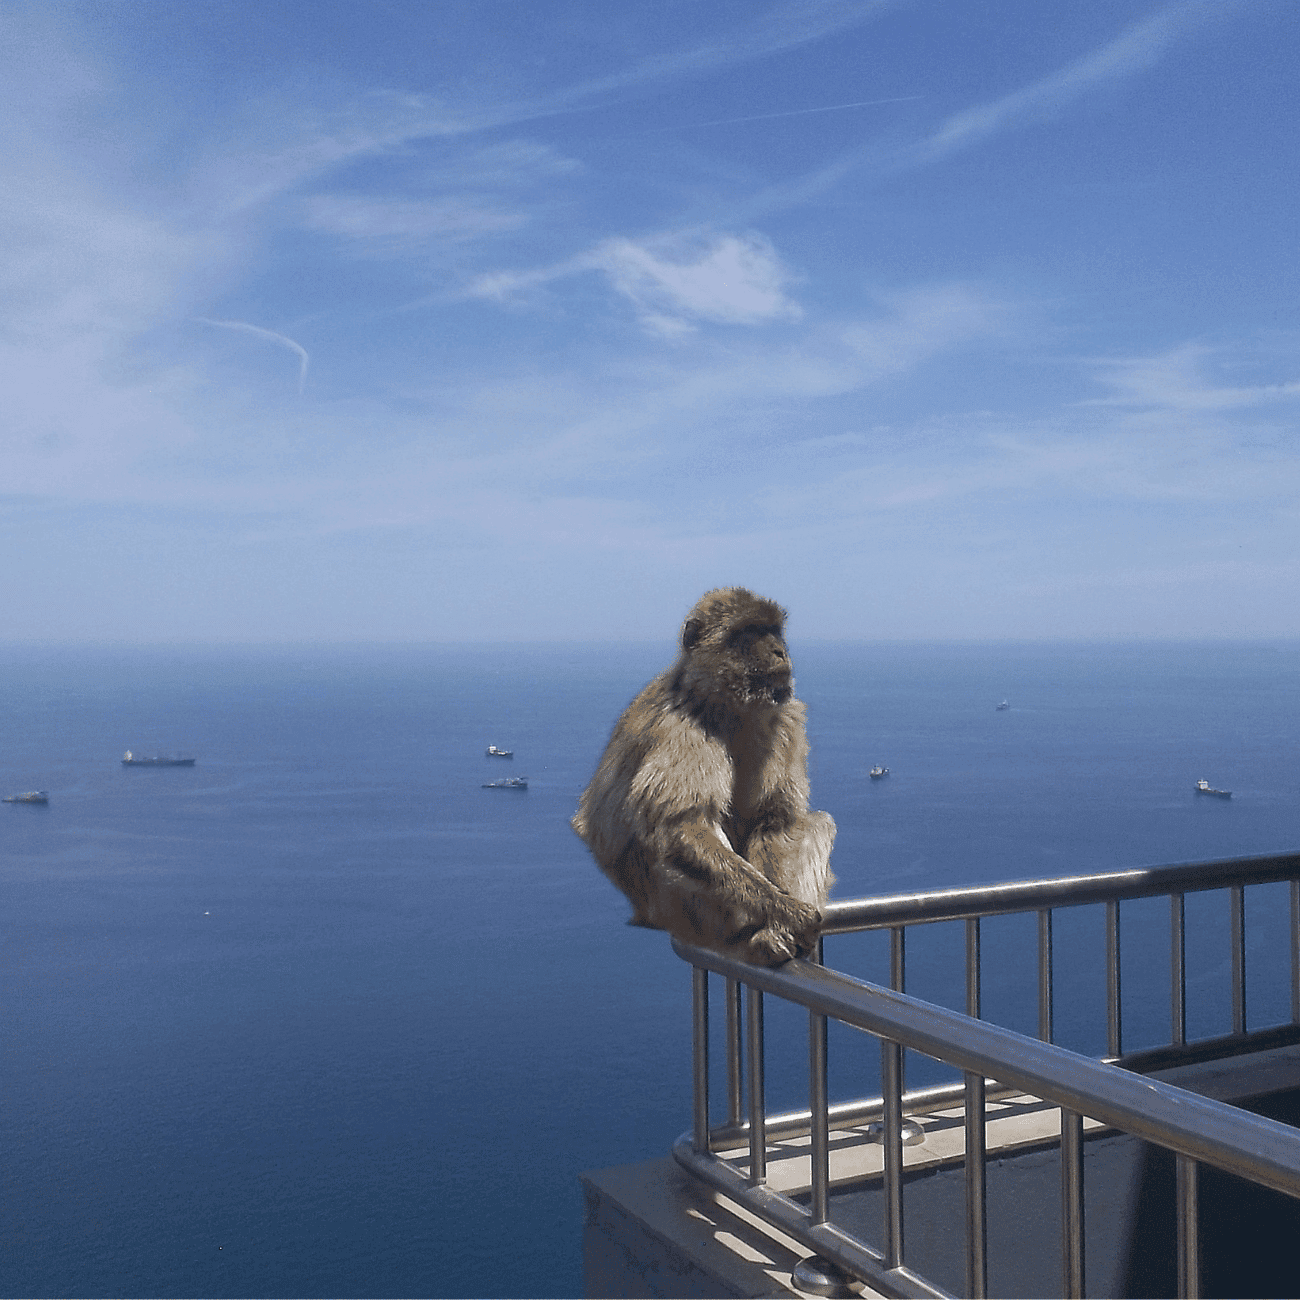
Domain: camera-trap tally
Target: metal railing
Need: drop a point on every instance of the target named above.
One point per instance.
(993, 1061)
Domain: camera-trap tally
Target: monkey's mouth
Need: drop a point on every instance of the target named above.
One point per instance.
(776, 689)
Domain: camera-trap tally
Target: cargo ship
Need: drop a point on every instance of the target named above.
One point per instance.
(1204, 787)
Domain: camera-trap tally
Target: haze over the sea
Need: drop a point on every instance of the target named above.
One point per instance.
(483, 320)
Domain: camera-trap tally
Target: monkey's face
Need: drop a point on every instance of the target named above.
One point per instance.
(733, 650)
(759, 653)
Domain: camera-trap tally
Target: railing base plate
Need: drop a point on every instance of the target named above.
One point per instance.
(818, 1276)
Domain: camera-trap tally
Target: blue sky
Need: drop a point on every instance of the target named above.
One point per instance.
(482, 320)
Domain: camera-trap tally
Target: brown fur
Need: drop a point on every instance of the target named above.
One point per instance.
(698, 810)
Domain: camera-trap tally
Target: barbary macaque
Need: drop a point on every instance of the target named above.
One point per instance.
(698, 810)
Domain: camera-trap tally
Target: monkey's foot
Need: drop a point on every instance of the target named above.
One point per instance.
(775, 944)
(770, 948)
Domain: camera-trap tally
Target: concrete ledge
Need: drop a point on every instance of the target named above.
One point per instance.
(651, 1230)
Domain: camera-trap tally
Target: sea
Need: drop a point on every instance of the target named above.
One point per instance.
(322, 1016)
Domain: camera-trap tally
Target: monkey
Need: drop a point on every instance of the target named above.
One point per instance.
(698, 810)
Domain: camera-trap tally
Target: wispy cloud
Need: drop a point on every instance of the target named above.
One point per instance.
(674, 281)
(1176, 380)
(271, 336)
(1133, 51)
(791, 112)
(765, 32)
(1136, 49)
(395, 226)
(284, 143)
(731, 280)
(1167, 437)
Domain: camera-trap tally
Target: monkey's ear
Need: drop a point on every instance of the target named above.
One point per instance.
(692, 630)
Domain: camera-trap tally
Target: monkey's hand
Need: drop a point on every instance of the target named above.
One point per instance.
(790, 930)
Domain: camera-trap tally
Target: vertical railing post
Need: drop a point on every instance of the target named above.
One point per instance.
(1114, 999)
(892, 1065)
(1295, 952)
(973, 967)
(1237, 912)
(1045, 1025)
(891, 1090)
(898, 958)
(1072, 1272)
(1177, 970)
(754, 1071)
(700, 1044)
(898, 982)
(1189, 1237)
(818, 1105)
(977, 1276)
(976, 1183)
(735, 1096)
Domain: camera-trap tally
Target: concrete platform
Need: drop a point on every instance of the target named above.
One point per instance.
(652, 1230)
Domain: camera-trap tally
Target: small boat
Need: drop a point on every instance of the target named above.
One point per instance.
(507, 783)
(1204, 787)
(877, 772)
(30, 796)
(494, 752)
(154, 760)
(1006, 704)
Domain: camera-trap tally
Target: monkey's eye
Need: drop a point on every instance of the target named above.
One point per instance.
(745, 637)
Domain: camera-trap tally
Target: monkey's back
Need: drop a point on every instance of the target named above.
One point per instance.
(659, 763)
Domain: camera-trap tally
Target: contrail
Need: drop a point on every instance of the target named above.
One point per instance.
(283, 340)
(794, 112)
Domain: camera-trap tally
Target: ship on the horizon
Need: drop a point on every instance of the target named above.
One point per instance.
(494, 752)
(507, 783)
(130, 759)
(1204, 787)
(29, 796)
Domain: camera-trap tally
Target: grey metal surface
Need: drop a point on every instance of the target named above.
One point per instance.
(891, 1090)
(1072, 1259)
(977, 1269)
(1114, 999)
(824, 1238)
(1189, 1247)
(1045, 974)
(700, 1056)
(818, 1106)
(1261, 1150)
(1194, 1128)
(1295, 952)
(851, 1114)
(847, 915)
(754, 1072)
(818, 1276)
(1237, 920)
(735, 1096)
(974, 996)
(1177, 969)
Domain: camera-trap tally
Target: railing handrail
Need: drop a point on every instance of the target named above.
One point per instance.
(1262, 1150)
(852, 914)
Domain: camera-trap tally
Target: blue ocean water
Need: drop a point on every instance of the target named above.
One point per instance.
(322, 1016)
